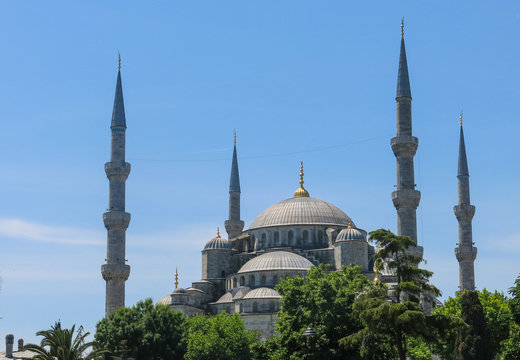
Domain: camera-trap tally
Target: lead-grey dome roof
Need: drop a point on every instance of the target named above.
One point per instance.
(262, 293)
(276, 260)
(351, 233)
(301, 211)
(218, 243)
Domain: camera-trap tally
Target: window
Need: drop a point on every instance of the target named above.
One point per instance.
(255, 307)
(290, 237)
(275, 279)
(242, 281)
(235, 282)
(305, 236)
(276, 238)
(252, 280)
(262, 280)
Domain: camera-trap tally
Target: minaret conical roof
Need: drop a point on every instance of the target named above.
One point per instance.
(403, 81)
(463, 161)
(234, 181)
(118, 114)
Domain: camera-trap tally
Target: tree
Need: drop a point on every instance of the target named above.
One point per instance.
(63, 344)
(474, 341)
(322, 300)
(512, 345)
(143, 331)
(221, 337)
(497, 315)
(391, 318)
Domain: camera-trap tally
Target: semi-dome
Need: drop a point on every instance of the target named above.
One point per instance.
(276, 260)
(165, 300)
(262, 293)
(351, 233)
(226, 298)
(218, 243)
(301, 211)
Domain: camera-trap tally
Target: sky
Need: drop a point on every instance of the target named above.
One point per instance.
(298, 81)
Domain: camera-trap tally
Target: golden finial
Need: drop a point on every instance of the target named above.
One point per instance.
(234, 137)
(376, 276)
(218, 232)
(176, 278)
(301, 192)
(349, 226)
(118, 61)
(402, 27)
(460, 118)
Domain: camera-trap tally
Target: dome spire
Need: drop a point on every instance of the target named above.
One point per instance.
(301, 192)
(218, 232)
(176, 278)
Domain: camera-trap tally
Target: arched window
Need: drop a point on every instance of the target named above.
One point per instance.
(290, 237)
(251, 246)
(242, 281)
(255, 307)
(320, 237)
(271, 306)
(276, 238)
(305, 237)
(262, 280)
(275, 279)
(252, 280)
(234, 282)
(228, 310)
(241, 308)
(264, 240)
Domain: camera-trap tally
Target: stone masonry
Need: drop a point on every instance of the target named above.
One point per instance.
(464, 211)
(404, 145)
(115, 272)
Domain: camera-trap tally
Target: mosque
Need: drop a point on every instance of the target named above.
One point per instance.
(239, 274)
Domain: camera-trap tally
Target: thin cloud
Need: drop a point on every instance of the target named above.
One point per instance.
(21, 229)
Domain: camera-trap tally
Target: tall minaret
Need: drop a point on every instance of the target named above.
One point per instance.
(234, 225)
(464, 211)
(115, 271)
(405, 198)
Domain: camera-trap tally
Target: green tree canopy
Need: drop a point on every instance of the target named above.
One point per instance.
(391, 318)
(474, 341)
(497, 315)
(221, 337)
(63, 344)
(143, 331)
(322, 300)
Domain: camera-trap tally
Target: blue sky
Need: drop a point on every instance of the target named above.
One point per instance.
(298, 80)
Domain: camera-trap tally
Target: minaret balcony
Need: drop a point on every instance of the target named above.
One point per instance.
(117, 169)
(406, 198)
(116, 220)
(466, 253)
(115, 272)
(404, 145)
(464, 212)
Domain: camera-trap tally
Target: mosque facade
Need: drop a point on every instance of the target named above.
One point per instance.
(240, 273)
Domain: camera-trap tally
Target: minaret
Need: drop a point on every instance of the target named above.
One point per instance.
(115, 271)
(405, 198)
(234, 225)
(464, 211)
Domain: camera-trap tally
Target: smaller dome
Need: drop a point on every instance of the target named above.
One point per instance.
(179, 291)
(262, 293)
(165, 300)
(276, 260)
(226, 298)
(218, 243)
(351, 233)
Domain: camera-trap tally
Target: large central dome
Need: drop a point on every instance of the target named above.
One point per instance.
(301, 211)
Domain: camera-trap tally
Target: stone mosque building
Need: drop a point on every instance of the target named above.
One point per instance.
(239, 273)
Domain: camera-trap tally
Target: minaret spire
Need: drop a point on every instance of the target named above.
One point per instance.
(404, 145)
(234, 225)
(115, 272)
(464, 211)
